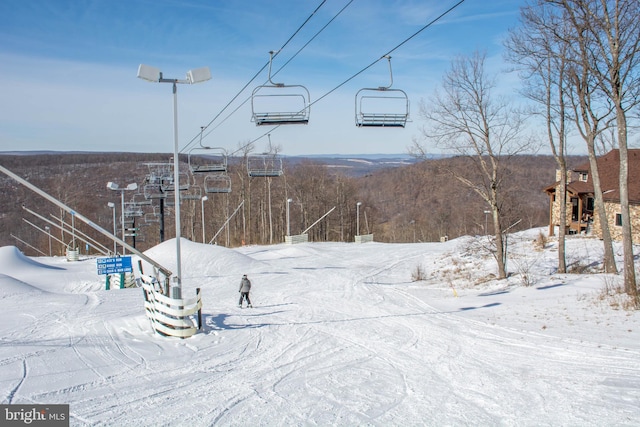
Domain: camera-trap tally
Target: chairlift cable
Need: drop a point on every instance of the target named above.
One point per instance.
(386, 55)
(433, 21)
(262, 69)
(258, 73)
(279, 69)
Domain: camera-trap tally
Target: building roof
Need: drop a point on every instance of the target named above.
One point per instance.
(609, 171)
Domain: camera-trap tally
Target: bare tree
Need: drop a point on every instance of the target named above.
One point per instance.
(615, 57)
(544, 61)
(592, 110)
(245, 190)
(469, 120)
(273, 153)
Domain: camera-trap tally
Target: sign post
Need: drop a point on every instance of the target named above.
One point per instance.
(114, 265)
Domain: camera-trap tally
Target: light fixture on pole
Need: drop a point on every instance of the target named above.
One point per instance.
(48, 229)
(288, 223)
(358, 218)
(113, 208)
(113, 186)
(203, 199)
(154, 75)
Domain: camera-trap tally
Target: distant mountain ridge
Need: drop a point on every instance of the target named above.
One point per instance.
(349, 164)
(374, 156)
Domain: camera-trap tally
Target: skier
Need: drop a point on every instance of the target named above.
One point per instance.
(245, 288)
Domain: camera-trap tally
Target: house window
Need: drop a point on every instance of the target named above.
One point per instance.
(590, 204)
(619, 220)
(584, 176)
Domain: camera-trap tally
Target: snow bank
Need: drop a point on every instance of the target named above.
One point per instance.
(10, 286)
(11, 259)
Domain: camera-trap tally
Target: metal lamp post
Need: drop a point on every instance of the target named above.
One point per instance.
(358, 218)
(203, 199)
(288, 223)
(113, 208)
(154, 75)
(113, 186)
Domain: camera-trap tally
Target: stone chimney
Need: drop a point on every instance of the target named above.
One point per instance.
(559, 173)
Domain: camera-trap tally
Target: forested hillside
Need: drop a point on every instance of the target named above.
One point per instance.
(419, 202)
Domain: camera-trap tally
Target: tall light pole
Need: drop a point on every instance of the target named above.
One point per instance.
(203, 199)
(130, 187)
(358, 218)
(46, 227)
(113, 208)
(288, 223)
(154, 75)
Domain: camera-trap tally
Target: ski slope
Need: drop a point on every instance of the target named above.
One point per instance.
(339, 335)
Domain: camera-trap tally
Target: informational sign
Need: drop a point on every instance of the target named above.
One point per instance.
(114, 265)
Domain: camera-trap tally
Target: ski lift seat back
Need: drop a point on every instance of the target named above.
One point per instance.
(217, 183)
(194, 193)
(264, 166)
(382, 106)
(215, 159)
(154, 191)
(280, 104)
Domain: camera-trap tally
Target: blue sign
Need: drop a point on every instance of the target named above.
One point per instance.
(114, 265)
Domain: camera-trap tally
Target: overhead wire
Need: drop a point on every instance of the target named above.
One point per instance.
(256, 75)
(433, 21)
(387, 54)
(429, 24)
(280, 69)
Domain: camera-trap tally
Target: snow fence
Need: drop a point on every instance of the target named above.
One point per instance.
(171, 316)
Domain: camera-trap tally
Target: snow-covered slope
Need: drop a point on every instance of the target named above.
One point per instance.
(340, 335)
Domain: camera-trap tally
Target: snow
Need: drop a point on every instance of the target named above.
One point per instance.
(339, 334)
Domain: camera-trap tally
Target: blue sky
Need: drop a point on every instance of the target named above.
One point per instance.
(68, 69)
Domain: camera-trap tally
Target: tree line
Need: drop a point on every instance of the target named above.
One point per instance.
(414, 203)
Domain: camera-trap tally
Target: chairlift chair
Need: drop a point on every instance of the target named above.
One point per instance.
(194, 193)
(158, 172)
(152, 178)
(217, 183)
(154, 191)
(382, 106)
(264, 165)
(132, 209)
(215, 159)
(280, 104)
(141, 199)
(167, 182)
(151, 217)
